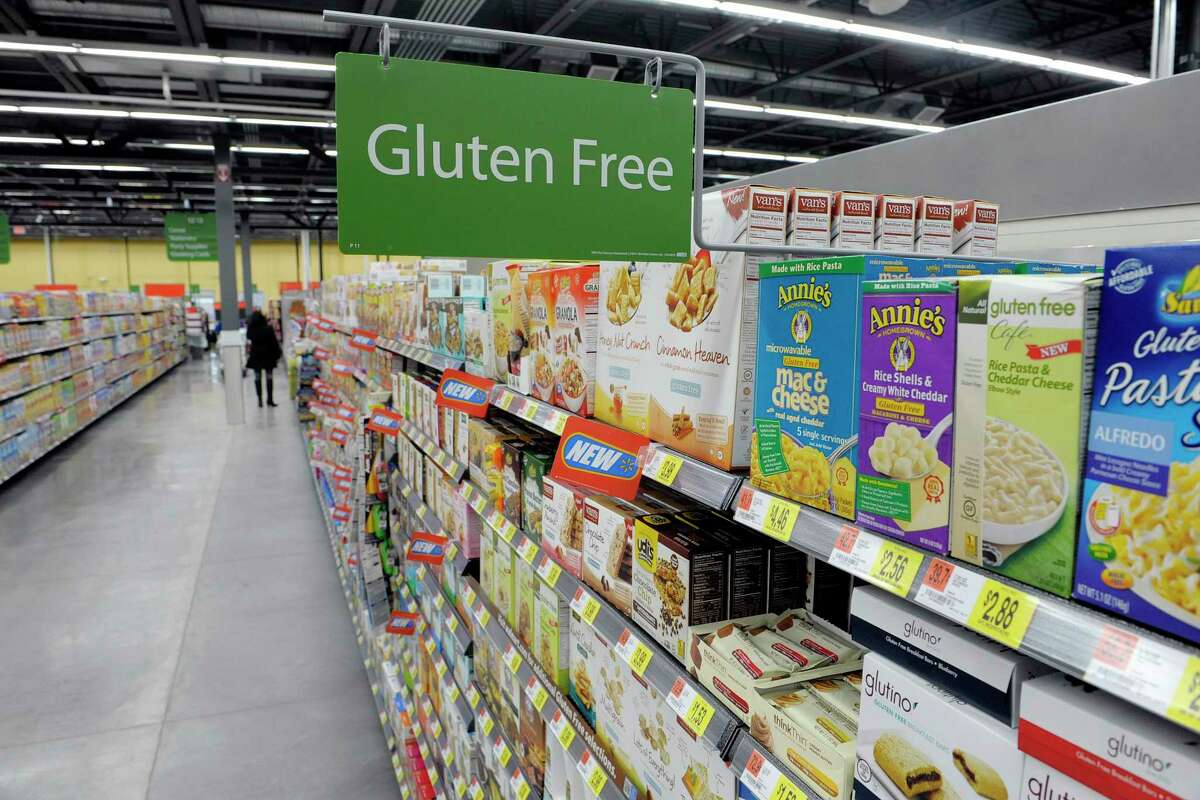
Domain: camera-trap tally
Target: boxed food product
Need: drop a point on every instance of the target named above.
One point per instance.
(1139, 541)
(906, 406)
(499, 307)
(522, 333)
(552, 623)
(810, 217)
(526, 582)
(512, 479)
(1105, 743)
(670, 762)
(453, 336)
(587, 650)
(1022, 395)
(679, 580)
(1054, 268)
(531, 743)
(749, 576)
(786, 577)
(563, 523)
(505, 598)
(806, 392)
(1042, 782)
(539, 331)
(622, 701)
(935, 226)
(534, 466)
(608, 547)
(462, 437)
(623, 384)
(486, 450)
(984, 673)
(895, 223)
(916, 738)
(853, 221)
(976, 225)
(479, 348)
(811, 736)
(576, 292)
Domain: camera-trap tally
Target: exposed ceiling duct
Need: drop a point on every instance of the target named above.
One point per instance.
(432, 48)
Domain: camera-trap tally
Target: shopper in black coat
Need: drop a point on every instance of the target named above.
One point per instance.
(264, 355)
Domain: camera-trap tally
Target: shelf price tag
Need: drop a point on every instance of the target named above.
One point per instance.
(549, 571)
(440, 669)
(486, 723)
(1002, 613)
(469, 596)
(772, 515)
(504, 403)
(592, 773)
(562, 729)
(476, 790)
(519, 786)
(767, 782)
(1185, 705)
(460, 788)
(585, 606)
(439, 602)
(512, 659)
(483, 615)
(501, 752)
(558, 421)
(537, 693)
(634, 653)
(528, 550)
(694, 710)
(430, 647)
(663, 467)
(895, 567)
(528, 411)
(452, 623)
(454, 694)
(473, 696)
(436, 728)
(452, 551)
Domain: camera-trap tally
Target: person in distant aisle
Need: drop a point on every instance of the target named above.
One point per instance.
(264, 355)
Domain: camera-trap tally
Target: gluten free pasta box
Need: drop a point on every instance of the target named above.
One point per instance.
(1139, 534)
(1023, 385)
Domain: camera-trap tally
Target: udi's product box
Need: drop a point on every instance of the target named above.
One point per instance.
(1106, 744)
(806, 395)
(563, 523)
(984, 673)
(1022, 395)
(623, 384)
(608, 546)
(810, 217)
(1042, 782)
(576, 292)
(906, 406)
(895, 223)
(934, 232)
(916, 739)
(976, 225)
(1139, 533)
(853, 221)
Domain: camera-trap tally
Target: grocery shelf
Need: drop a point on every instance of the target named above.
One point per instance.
(433, 525)
(762, 773)
(5, 358)
(15, 320)
(55, 379)
(448, 464)
(429, 358)
(1128, 661)
(449, 620)
(544, 415)
(712, 486)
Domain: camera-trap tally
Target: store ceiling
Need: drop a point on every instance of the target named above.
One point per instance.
(805, 79)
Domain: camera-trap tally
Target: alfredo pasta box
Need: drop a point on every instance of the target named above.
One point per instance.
(806, 386)
(1138, 553)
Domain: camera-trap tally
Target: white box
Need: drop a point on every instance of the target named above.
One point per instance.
(942, 742)
(810, 217)
(895, 223)
(853, 224)
(1041, 782)
(986, 674)
(1107, 744)
(935, 226)
(976, 224)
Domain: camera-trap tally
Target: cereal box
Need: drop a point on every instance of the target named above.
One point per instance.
(906, 407)
(1022, 394)
(576, 298)
(499, 307)
(1139, 537)
(539, 332)
(806, 391)
(623, 386)
(935, 226)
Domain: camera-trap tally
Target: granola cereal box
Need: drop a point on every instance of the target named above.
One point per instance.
(539, 332)
(576, 300)
(1139, 535)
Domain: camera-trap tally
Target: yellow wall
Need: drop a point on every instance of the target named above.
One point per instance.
(113, 264)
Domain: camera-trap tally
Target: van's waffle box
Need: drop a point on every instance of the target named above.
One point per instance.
(918, 740)
(810, 217)
(806, 392)
(1106, 744)
(906, 407)
(935, 226)
(895, 223)
(1023, 389)
(976, 226)
(1139, 533)
(853, 224)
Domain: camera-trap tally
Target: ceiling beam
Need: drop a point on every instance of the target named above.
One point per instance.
(567, 14)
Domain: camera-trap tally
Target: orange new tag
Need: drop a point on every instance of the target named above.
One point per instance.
(464, 392)
(600, 457)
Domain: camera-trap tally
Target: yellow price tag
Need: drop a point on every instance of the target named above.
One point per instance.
(596, 781)
(549, 571)
(566, 736)
(1185, 707)
(488, 724)
(1002, 613)
(540, 696)
(504, 756)
(485, 617)
(640, 659)
(698, 715)
(560, 422)
(786, 790)
(452, 623)
(528, 411)
(896, 566)
(449, 755)
(505, 402)
(780, 519)
(668, 468)
(513, 659)
(591, 608)
(454, 694)
(529, 551)
(522, 790)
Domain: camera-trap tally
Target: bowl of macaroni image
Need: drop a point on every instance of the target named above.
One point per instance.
(807, 478)
(1025, 489)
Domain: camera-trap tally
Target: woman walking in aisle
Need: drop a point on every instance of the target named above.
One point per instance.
(264, 355)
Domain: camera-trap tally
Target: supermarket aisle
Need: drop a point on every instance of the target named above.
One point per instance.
(171, 623)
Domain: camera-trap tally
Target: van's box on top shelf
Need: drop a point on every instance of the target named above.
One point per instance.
(810, 217)
(934, 232)
(895, 223)
(1139, 533)
(853, 225)
(976, 227)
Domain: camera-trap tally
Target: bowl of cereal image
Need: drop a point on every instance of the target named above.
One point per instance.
(543, 376)
(572, 384)
(1026, 489)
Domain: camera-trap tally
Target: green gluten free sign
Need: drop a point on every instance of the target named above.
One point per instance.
(454, 160)
(190, 237)
(5, 239)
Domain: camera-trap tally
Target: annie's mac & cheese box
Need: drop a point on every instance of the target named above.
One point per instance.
(1138, 553)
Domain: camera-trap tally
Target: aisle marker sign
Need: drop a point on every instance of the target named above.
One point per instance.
(427, 547)
(463, 391)
(190, 237)
(402, 623)
(538, 163)
(600, 457)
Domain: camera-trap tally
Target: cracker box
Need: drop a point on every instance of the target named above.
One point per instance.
(916, 739)
(623, 384)
(976, 225)
(1139, 536)
(670, 761)
(525, 582)
(895, 223)
(935, 226)
(587, 653)
(1106, 744)
(552, 623)
(853, 221)
(563, 523)
(906, 407)
(810, 217)
(806, 392)
(1022, 394)
(576, 292)
(608, 547)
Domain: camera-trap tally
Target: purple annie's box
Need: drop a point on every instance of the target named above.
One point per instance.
(906, 401)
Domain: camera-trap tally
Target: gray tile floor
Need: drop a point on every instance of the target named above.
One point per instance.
(171, 623)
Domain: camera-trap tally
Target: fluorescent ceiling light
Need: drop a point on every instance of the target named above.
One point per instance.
(804, 113)
(705, 4)
(273, 63)
(1101, 73)
(324, 188)
(170, 115)
(331, 153)
(178, 145)
(96, 167)
(125, 168)
(29, 140)
(903, 37)
(726, 105)
(90, 167)
(825, 116)
(266, 150)
(1002, 54)
(75, 112)
(291, 123)
(159, 55)
(82, 142)
(37, 47)
(758, 154)
(783, 15)
(8, 108)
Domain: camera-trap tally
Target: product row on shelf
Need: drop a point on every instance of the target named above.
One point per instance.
(695, 657)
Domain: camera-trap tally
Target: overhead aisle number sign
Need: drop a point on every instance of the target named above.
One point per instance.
(5, 239)
(190, 237)
(475, 161)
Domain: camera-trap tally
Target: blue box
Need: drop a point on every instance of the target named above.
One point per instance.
(1138, 553)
